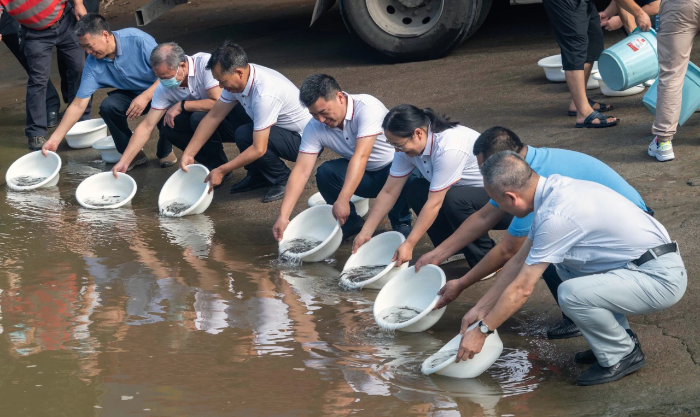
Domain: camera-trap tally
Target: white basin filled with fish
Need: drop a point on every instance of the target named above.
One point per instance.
(34, 170)
(85, 134)
(443, 362)
(104, 191)
(361, 203)
(312, 236)
(406, 302)
(185, 193)
(108, 150)
(371, 266)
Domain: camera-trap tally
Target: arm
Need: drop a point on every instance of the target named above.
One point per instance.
(139, 103)
(471, 229)
(427, 216)
(295, 186)
(353, 176)
(70, 118)
(382, 205)
(79, 9)
(640, 16)
(141, 135)
(205, 105)
(206, 128)
(250, 155)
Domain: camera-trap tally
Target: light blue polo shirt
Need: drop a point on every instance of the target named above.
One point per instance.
(548, 161)
(130, 70)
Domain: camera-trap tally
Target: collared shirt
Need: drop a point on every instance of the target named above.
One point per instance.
(269, 98)
(588, 227)
(546, 162)
(448, 159)
(35, 14)
(363, 119)
(130, 70)
(199, 81)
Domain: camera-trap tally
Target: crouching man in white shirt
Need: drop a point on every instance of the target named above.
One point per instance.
(615, 260)
(351, 126)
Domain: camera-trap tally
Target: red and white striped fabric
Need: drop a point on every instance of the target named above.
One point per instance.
(35, 14)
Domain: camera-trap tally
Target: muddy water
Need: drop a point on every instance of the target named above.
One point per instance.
(124, 312)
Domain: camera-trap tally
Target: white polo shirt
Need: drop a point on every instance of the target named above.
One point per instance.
(199, 81)
(363, 119)
(588, 227)
(270, 98)
(447, 159)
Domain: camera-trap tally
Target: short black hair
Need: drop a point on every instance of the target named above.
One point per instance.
(496, 139)
(228, 56)
(93, 24)
(316, 86)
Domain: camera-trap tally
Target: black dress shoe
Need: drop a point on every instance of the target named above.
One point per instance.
(51, 119)
(352, 227)
(563, 330)
(587, 356)
(597, 374)
(275, 193)
(35, 143)
(249, 183)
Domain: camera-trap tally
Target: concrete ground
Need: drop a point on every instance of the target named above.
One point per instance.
(490, 80)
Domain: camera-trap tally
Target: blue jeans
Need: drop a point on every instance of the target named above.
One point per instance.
(330, 177)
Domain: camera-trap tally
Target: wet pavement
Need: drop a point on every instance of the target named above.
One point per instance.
(125, 312)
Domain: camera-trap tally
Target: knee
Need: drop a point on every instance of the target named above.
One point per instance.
(108, 106)
(196, 118)
(244, 135)
(565, 296)
(323, 174)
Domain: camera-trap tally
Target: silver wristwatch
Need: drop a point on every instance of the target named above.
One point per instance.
(483, 328)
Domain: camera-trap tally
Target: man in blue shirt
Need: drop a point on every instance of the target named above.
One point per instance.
(121, 60)
(544, 162)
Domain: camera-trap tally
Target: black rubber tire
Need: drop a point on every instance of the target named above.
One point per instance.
(459, 20)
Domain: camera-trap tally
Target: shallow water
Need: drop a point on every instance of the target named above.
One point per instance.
(440, 357)
(104, 200)
(27, 180)
(399, 314)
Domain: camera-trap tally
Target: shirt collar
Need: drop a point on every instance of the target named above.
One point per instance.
(117, 43)
(530, 155)
(539, 193)
(190, 63)
(251, 80)
(431, 142)
(350, 112)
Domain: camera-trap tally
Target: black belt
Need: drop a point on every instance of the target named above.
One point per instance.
(58, 22)
(654, 253)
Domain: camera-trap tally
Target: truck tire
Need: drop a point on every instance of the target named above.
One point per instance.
(414, 29)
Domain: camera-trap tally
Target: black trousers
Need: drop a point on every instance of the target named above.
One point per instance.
(113, 111)
(16, 46)
(460, 203)
(576, 26)
(282, 144)
(92, 6)
(212, 154)
(38, 48)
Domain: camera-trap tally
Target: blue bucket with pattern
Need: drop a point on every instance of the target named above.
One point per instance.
(691, 94)
(631, 61)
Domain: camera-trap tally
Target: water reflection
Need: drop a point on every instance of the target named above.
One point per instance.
(191, 232)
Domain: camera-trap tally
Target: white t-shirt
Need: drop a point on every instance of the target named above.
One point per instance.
(447, 159)
(588, 227)
(199, 81)
(363, 119)
(270, 98)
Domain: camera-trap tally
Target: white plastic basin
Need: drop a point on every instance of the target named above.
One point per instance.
(187, 188)
(612, 93)
(85, 134)
(470, 368)
(417, 290)
(552, 68)
(361, 203)
(34, 165)
(316, 223)
(108, 150)
(103, 191)
(378, 251)
(592, 81)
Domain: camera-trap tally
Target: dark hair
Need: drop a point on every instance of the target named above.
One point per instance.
(229, 56)
(93, 24)
(404, 119)
(169, 53)
(316, 86)
(506, 171)
(496, 139)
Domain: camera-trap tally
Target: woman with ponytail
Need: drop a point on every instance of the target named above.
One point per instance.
(448, 189)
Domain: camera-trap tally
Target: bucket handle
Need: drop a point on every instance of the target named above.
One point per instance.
(637, 30)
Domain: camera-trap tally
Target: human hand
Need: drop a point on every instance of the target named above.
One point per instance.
(185, 160)
(79, 10)
(448, 293)
(473, 315)
(404, 253)
(360, 240)
(214, 178)
(49, 146)
(472, 342)
(341, 211)
(120, 166)
(137, 106)
(430, 258)
(171, 114)
(643, 21)
(603, 18)
(614, 23)
(279, 227)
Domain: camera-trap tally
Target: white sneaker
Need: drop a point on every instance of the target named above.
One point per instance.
(661, 151)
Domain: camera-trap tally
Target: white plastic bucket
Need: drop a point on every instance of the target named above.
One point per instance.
(361, 203)
(34, 165)
(108, 150)
(470, 368)
(317, 223)
(378, 251)
(187, 188)
(103, 191)
(416, 290)
(85, 134)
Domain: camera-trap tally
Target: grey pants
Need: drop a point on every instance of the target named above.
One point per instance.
(599, 303)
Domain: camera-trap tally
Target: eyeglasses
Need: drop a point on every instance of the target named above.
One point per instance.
(400, 147)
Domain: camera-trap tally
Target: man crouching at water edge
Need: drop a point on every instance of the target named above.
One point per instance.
(187, 91)
(120, 60)
(351, 126)
(614, 258)
(275, 116)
